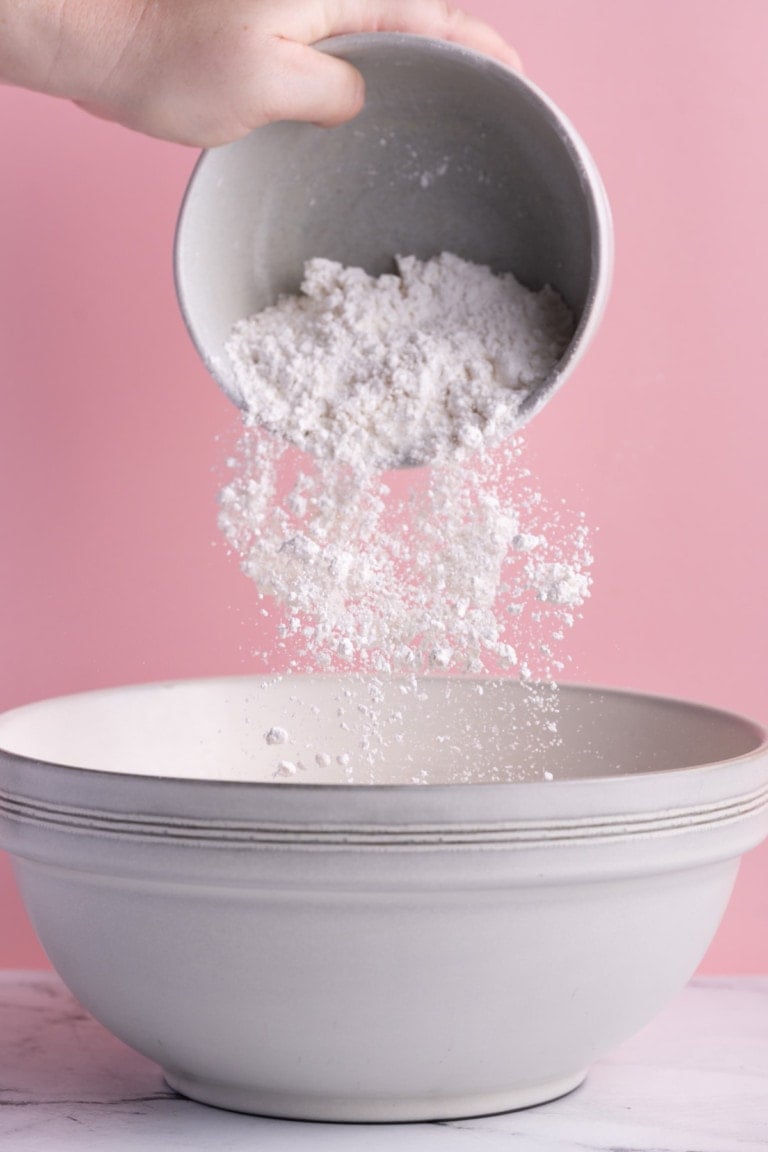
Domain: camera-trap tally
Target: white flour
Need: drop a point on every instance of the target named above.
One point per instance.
(420, 367)
(458, 568)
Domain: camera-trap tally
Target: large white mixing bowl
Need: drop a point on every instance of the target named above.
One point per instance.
(374, 952)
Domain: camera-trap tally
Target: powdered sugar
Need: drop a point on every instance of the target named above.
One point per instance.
(462, 567)
(423, 366)
(386, 578)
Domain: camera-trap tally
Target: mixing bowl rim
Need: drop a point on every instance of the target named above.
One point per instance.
(614, 780)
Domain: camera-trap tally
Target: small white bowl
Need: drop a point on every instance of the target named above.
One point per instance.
(375, 952)
(452, 152)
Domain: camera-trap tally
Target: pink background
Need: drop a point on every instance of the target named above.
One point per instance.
(110, 566)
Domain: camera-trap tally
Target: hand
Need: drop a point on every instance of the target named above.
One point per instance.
(204, 72)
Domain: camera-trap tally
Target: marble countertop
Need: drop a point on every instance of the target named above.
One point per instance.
(695, 1080)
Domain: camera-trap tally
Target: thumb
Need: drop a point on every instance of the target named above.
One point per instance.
(316, 87)
(309, 85)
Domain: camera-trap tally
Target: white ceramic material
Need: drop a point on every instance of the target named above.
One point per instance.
(694, 1079)
(453, 152)
(374, 952)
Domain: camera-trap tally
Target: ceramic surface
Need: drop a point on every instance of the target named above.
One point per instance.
(374, 952)
(694, 1079)
(453, 152)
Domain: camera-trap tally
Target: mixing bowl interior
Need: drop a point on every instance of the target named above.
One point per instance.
(444, 731)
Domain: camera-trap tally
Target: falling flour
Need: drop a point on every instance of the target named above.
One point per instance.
(457, 568)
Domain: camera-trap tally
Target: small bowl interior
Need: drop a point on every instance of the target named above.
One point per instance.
(452, 152)
(455, 731)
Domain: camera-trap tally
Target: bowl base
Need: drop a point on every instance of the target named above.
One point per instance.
(369, 1110)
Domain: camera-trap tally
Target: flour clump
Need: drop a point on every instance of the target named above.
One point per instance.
(424, 366)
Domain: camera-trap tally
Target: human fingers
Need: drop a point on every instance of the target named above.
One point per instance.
(302, 84)
(307, 21)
